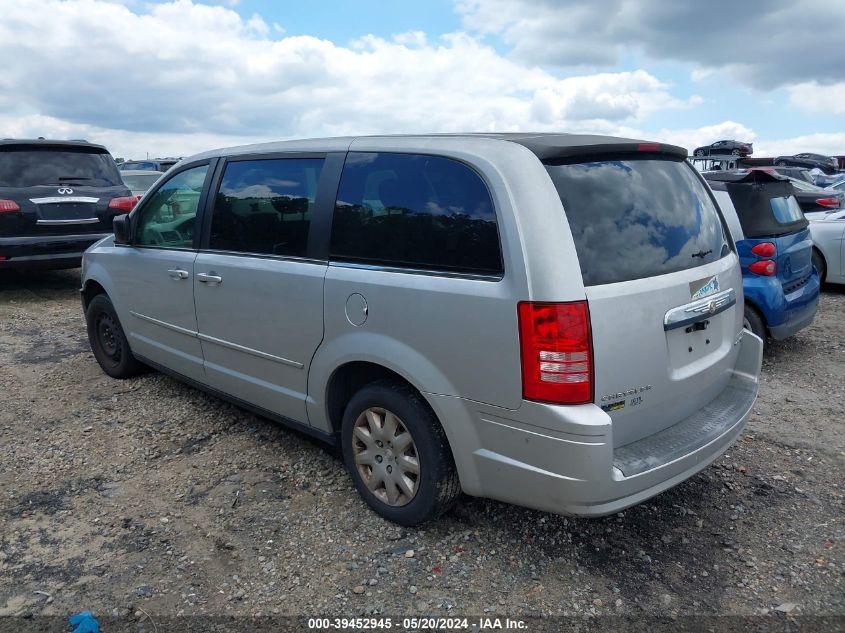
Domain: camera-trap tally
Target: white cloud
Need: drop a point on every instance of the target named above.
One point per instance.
(177, 78)
(185, 73)
(697, 137)
(763, 43)
(828, 144)
(811, 96)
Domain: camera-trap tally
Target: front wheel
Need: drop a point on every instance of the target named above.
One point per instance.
(397, 454)
(108, 342)
(698, 152)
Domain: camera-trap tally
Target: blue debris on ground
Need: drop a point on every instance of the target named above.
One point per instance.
(84, 622)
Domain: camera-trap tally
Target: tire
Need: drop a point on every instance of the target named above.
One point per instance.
(108, 342)
(820, 264)
(698, 152)
(780, 163)
(433, 488)
(754, 322)
(735, 152)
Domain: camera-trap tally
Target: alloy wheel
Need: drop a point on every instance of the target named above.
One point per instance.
(386, 456)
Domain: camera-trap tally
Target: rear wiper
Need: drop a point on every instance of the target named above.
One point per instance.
(702, 254)
(60, 178)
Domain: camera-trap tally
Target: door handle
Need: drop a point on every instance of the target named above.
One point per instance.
(178, 273)
(209, 278)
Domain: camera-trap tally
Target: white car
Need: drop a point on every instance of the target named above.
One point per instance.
(828, 232)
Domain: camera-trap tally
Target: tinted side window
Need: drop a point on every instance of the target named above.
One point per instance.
(415, 211)
(265, 206)
(167, 218)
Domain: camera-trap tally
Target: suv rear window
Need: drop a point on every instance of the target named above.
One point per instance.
(638, 217)
(28, 167)
(415, 211)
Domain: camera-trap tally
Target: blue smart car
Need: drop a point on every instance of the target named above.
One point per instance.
(775, 249)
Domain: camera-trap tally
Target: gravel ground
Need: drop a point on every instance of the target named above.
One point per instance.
(145, 496)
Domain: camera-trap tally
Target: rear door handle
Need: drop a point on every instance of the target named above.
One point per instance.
(178, 273)
(209, 278)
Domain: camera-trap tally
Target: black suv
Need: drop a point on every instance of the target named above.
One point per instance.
(56, 199)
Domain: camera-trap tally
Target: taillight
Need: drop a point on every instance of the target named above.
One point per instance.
(124, 203)
(830, 203)
(765, 267)
(9, 206)
(556, 348)
(764, 249)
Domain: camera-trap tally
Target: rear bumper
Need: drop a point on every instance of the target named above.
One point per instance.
(562, 460)
(785, 312)
(45, 252)
(798, 319)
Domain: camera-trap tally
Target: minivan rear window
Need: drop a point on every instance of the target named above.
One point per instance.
(57, 166)
(633, 218)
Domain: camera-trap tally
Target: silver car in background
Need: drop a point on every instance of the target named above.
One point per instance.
(550, 320)
(828, 233)
(139, 180)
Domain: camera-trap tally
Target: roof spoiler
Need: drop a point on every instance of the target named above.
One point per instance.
(744, 176)
(553, 154)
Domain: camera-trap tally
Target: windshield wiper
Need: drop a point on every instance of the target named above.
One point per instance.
(60, 178)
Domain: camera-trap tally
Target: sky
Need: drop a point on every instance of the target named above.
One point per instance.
(179, 77)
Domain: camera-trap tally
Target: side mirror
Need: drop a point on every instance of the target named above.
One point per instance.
(122, 229)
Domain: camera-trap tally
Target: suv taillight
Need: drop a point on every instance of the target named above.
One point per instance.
(9, 206)
(124, 203)
(557, 355)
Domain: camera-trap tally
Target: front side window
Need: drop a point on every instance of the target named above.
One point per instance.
(415, 211)
(265, 206)
(168, 216)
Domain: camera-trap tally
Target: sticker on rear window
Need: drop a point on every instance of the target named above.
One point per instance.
(704, 287)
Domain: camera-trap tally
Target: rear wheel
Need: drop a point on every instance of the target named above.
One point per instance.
(397, 454)
(735, 152)
(108, 342)
(698, 152)
(819, 263)
(754, 322)
(780, 163)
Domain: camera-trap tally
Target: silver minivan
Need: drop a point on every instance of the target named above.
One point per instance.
(550, 320)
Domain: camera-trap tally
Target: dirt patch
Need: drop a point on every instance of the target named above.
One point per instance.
(146, 494)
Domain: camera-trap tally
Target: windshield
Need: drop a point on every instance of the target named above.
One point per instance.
(637, 218)
(51, 166)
